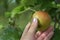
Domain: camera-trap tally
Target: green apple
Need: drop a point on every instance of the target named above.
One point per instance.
(43, 20)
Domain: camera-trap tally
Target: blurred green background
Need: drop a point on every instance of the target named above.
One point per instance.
(15, 14)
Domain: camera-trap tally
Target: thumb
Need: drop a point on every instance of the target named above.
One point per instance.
(33, 26)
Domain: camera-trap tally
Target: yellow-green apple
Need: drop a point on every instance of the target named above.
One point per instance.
(44, 20)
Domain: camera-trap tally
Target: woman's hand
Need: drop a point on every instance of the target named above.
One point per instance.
(31, 34)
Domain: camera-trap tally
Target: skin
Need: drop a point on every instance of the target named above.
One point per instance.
(31, 34)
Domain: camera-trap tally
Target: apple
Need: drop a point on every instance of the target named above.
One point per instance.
(44, 20)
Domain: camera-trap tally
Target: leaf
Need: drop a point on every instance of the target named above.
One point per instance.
(37, 4)
(18, 1)
(56, 34)
(17, 10)
(11, 4)
(3, 20)
(28, 3)
(10, 33)
(23, 18)
(7, 14)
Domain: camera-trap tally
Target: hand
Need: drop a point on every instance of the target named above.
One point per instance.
(31, 34)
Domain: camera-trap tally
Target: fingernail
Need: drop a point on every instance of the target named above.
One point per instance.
(35, 20)
(38, 33)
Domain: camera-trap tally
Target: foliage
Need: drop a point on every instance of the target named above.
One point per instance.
(15, 14)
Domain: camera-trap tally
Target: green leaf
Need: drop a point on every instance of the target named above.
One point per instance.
(18, 1)
(56, 34)
(7, 14)
(10, 33)
(23, 18)
(3, 20)
(17, 10)
(28, 3)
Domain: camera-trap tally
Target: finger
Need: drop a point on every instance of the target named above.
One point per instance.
(49, 36)
(26, 29)
(44, 34)
(33, 27)
(38, 33)
(49, 30)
